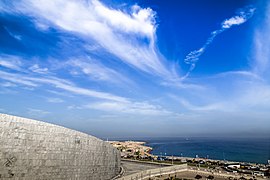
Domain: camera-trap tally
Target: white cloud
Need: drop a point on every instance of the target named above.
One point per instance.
(261, 63)
(70, 87)
(8, 84)
(120, 33)
(138, 108)
(17, 79)
(241, 92)
(96, 71)
(113, 104)
(37, 112)
(208, 107)
(15, 36)
(20, 64)
(246, 92)
(60, 93)
(55, 100)
(242, 16)
(237, 20)
(10, 62)
(71, 107)
(58, 83)
(35, 68)
(41, 26)
(244, 74)
(140, 21)
(180, 85)
(257, 96)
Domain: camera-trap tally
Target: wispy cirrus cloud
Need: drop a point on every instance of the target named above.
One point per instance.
(261, 40)
(138, 108)
(37, 69)
(15, 36)
(10, 62)
(129, 36)
(244, 74)
(17, 63)
(8, 84)
(211, 107)
(96, 71)
(55, 100)
(234, 91)
(113, 103)
(241, 17)
(71, 87)
(16, 79)
(57, 83)
(108, 102)
(39, 113)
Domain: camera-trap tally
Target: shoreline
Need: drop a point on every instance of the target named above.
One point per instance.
(189, 172)
(148, 151)
(209, 159)
(206, 157)
(138, 150)
(176, 157)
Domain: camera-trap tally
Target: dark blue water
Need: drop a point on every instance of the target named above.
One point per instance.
(255, 150)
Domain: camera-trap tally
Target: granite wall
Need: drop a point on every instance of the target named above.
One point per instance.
(31, 149)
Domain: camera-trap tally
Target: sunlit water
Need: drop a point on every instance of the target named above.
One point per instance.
(241, 149)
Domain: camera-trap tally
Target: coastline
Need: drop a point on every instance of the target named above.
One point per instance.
(149, 150)
(138, 150)
(249, 150)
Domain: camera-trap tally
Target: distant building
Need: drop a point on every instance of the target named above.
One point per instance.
(234, 166)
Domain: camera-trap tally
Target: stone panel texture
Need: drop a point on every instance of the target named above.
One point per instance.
(31, 150)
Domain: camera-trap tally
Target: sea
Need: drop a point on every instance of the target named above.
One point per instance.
(251, 150)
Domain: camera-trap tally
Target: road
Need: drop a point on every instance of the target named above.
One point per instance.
(131, 167)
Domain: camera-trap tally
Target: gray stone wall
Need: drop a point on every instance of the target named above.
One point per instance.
(31, 149)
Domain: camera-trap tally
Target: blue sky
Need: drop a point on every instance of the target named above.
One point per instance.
(138, 68)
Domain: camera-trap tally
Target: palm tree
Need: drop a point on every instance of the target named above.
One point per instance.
(210, 177)
(198, 176)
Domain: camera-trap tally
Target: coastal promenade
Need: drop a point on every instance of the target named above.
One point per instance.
(140, 170)
(139, 163)
(149, 173)
(134, 166)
